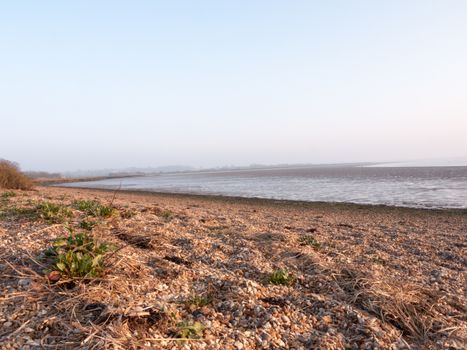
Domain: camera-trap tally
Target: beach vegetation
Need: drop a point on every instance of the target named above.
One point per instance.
(16, 213)
(12, 178)
(197, 301)
(87, 224)
(189, 330)
(167, 214)
(8, 194)
(308, 240)
(53, 213)
(281, 277)
(78, 255)
(94, 208)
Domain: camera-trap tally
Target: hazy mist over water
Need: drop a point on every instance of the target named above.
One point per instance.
(426, 187)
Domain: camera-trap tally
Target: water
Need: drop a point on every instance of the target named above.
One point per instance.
(426, 187)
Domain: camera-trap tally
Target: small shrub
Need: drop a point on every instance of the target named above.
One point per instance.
(16, 213)
(54, 213)
(94, 208)
(188, 330)
(78, 255)
(309, 240)
(8, 194)
(197, 301)
(281, 277)
(167, 214)
(12, 178)
(87, 224)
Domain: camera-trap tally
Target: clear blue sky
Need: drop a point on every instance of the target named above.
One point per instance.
(96, 84)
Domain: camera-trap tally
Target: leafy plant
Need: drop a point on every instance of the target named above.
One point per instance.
(78, 255)
(8, 194)
(310, 241)
(16, 213)
(94, 208)
(87, 224)
(281, 277)
(167, 214)
(196, 301)
(188, 330)
(54, 213)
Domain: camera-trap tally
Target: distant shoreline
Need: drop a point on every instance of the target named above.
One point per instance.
(63, 180)
(270, 201)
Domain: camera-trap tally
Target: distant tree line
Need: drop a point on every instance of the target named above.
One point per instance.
(42, 175)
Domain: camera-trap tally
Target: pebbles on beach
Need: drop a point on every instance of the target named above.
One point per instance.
(371, 278)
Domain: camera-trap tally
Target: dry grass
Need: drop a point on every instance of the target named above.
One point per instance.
(12, 178)
(418, 312)
(176, 284)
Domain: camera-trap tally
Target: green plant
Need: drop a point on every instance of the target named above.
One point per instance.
(167, 214)
(8, 194)
(87, 224)
(281, 277)
(309, 240)
(188, 330)
(78, 255)
(55, 213)
(196, 301)
(16, 213)
(94, 208)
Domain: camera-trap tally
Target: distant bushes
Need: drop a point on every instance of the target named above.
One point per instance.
(12, 178)
(42, 175)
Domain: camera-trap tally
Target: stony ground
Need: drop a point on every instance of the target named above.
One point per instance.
(198, 273)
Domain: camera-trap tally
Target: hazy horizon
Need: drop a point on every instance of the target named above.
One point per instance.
(145, 84)
(440, 162)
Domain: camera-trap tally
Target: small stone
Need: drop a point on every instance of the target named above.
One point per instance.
(24, 282)
(238, 345)
(205, 311)
(138, 309)
(7, 324)
(265, 337)
(54, 276)
(33, 342)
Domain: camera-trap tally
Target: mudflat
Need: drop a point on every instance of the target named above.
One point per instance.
(205, 272)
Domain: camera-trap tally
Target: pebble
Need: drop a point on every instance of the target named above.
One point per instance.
(265, 337)
(238, 345)
(281, 343)
(243, 314)
(24, 282)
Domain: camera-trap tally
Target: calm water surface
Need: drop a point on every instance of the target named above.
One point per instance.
(428, 187)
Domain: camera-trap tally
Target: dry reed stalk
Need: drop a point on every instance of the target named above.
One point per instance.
(411, 308)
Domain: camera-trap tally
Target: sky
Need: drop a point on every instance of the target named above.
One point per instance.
(115, 84)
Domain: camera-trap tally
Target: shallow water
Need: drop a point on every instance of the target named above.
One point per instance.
(427, 187)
